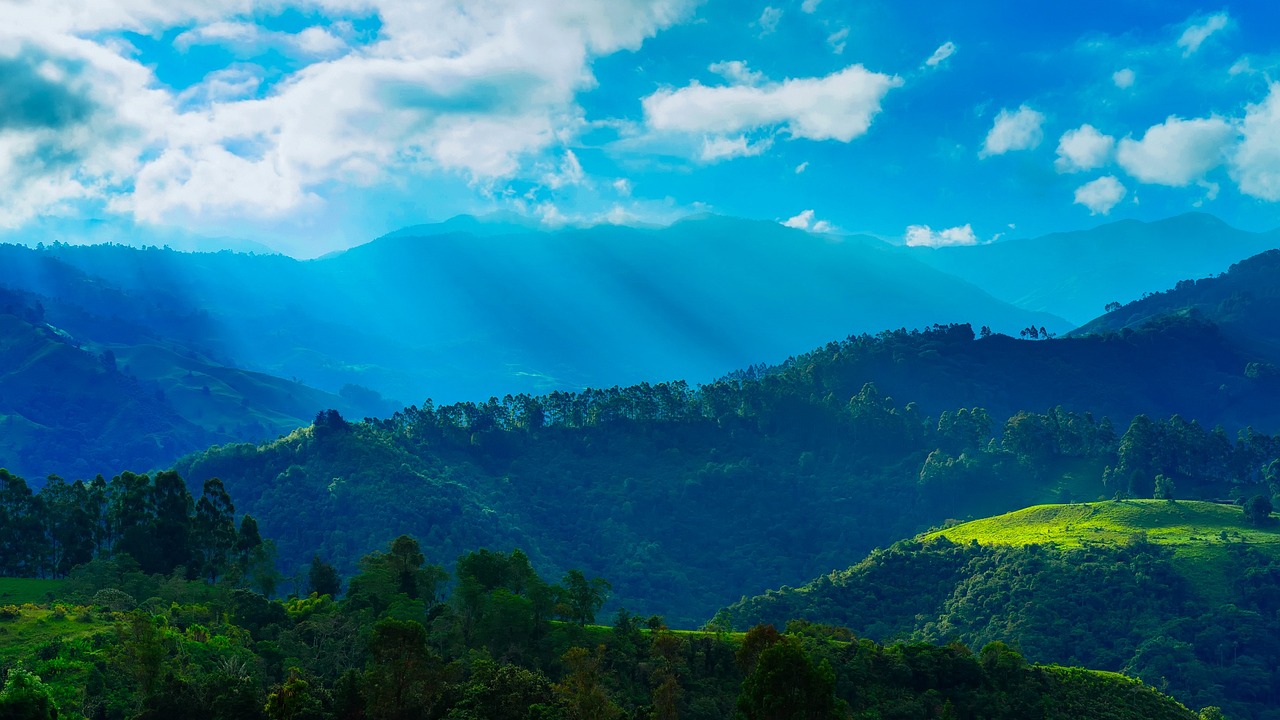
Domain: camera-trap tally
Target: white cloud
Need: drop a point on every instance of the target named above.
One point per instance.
(837, 40)
(622, 186)
(1123, 78)
(1177, 152)
(769, 19)
(802, 167)
(251, 38)
(944, 51)
(1255, 165)
(839, 106)
(801, 221)
(736, 72)
(1100, 195)
(924, 236)
(1084, 148)
(1018, 130)
(715, 149)
(569, 175)
(805, 221)
(810, 6)
(1195, 35)
(484, 91)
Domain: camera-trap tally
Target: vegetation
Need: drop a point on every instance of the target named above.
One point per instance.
(406, 643)
(770, 476)
(1180, 594)
(71, 405)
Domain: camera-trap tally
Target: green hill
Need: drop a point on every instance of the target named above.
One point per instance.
(1184, 595)
(1185, 525)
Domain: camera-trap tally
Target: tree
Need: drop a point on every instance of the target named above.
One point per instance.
(26, 697)
(171, 527)
(584, 597)
(1257, 510)
(22, 541)
(322, 578)
(582, 689)
(404, 679)
(213, 531)
(1164, 487)
(787, 685)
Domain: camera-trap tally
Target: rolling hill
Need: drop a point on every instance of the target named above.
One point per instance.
(1074, 275)
(79, 405)
(1181, 594)
(1244, 302)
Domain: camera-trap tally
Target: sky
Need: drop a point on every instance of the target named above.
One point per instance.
(314, 125)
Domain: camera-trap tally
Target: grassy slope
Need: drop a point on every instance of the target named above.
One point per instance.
(1187, 524)
(16, 591)
(1201, 533)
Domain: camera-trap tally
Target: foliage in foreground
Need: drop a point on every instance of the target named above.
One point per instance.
(397, 646)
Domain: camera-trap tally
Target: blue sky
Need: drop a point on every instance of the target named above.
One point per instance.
(311, 126)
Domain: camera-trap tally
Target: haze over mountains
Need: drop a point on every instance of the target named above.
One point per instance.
(242, 346)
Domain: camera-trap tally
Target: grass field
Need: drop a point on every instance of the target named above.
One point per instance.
(1200, 533)
(1183, 523)
(16, 591)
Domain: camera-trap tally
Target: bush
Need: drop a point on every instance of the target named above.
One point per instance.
(114, 600)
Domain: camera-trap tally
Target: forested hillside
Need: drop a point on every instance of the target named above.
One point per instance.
(82, 390)
(162, 607)
(1244, 302)
(1183, 595)
(687, 498)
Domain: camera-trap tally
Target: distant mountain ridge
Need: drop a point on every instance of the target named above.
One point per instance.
(503, 308)
(1075, 274)
(1244, 302)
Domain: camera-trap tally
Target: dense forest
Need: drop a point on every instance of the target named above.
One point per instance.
(690, 497)
(1205, 631)
(493, 641)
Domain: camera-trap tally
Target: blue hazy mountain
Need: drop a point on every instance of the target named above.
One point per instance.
(1075, 274)
(478, 307)
(1244, 302)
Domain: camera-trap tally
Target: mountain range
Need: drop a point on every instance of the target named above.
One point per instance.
(248, 346)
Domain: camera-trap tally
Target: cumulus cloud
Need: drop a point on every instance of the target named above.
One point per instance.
(1100, 195)
(944, 51)
(1255, 165)
(1084, 148)
(839, 106)
(481, 91)
(801, 221)
(805, 221)
(1123, 78)
(737, 72)
(810, 6)
(1017, 130)
(1195, 35)
(622, 186)
(1177, 152)
(715, 149)
(925, 236)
